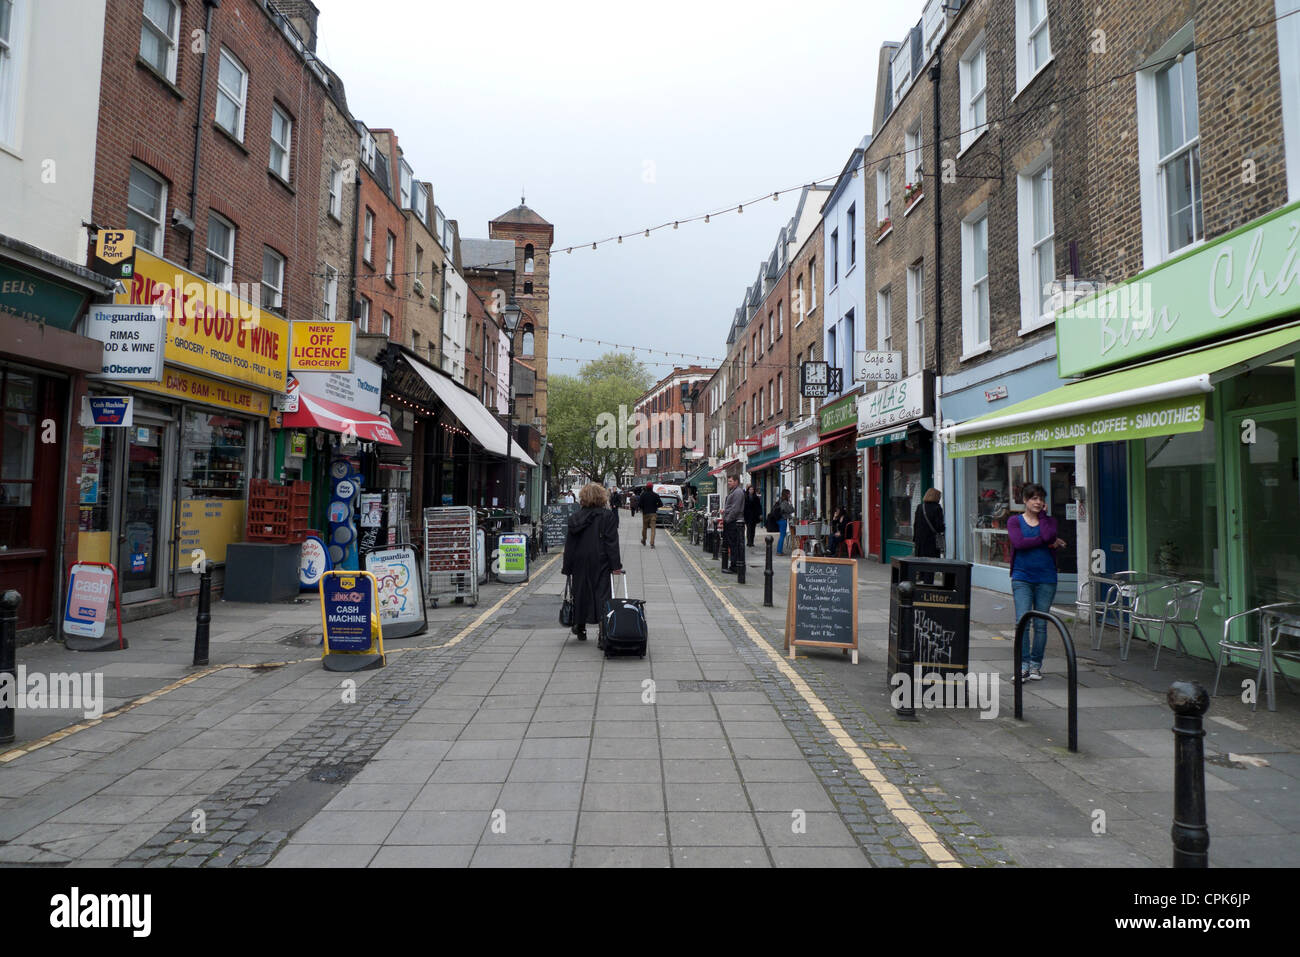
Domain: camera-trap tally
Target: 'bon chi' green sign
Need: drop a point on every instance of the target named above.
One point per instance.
(1165, 417)
(1244, 278)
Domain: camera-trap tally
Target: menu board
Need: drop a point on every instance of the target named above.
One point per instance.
(555, 522)
(822, 611)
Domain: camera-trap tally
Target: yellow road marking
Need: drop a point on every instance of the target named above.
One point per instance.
(922, 833)
(55, 736)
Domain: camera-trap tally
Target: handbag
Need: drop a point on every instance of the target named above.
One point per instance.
(566, 606)
(940, 539)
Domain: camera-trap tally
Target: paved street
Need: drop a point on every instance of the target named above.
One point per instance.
(496, 739)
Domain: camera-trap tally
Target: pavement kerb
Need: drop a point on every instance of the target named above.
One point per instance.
(56, 736)
(898, 806)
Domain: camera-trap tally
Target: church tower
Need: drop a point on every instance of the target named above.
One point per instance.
(532, 236)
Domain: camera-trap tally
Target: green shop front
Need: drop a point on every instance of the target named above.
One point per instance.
(1187, 404)
(895, 434)
(761, 466)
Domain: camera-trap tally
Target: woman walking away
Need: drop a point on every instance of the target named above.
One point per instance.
(927, 526)
(1033, 572)
(591, 556)
(785, 512)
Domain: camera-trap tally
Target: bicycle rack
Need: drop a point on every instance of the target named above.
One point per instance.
(1071, 664)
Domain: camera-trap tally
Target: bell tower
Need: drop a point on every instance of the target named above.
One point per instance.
(532, 236)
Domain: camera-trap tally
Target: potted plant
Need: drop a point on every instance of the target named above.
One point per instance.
(912, 192)
(419, 288)
(883, 227)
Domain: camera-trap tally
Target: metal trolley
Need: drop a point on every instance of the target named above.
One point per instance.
(450, 554)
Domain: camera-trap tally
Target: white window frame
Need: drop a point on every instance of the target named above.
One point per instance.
(420, 201)
(286, 160)
(1155, 236)
(971, 344)
(851, 222)
(771, 330)
(780, 391)
(971, 129)
(13, 49)
(405, 178)
(331, 292)
(780, 318)
(390, 253)
(368, 248)
(240, 97)
(172, 38)
(276, 291)
(363, 320)
(812, 283)
(1026, 34)
(835, 258)
(884, 320)
(388, 323)
(161, 221)
(915, 318)
(913, 144)
(882, 197)
(228, 259)
(1035, 313)
(799, 301)
(336, 191)
(368, 148)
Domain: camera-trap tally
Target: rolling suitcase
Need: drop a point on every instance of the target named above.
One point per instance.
(623, 625)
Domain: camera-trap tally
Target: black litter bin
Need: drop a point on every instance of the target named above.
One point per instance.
(941, 616)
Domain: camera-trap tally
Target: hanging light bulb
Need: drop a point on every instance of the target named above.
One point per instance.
(620, 240)
(593, 245)
(674, 225)
(647, 234)
(775, 197)
(569, 250)
(706, 217)
(740, 208)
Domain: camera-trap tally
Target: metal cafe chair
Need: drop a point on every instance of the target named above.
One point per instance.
(1174, 605)
(1098, 598)
(1278, 636)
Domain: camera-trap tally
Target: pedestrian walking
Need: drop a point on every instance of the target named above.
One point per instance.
(927, 527)
(613, 507)
(591, 556)
(1033, 572)
(650, 504)
(785, 512)
(753, 513)
(633, 499)
(733, 525)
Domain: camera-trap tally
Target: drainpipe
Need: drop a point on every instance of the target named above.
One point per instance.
(198, 128)
(356, 221)
(939, 470)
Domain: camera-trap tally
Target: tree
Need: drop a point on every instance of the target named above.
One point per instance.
(580, 405)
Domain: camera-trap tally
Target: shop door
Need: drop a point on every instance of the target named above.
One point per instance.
(1061, 506)
(1111, 509)
(142, 542)
(1265, 509)
(874, 492)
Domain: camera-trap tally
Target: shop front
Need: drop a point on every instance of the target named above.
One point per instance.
(1192, 380)
(43, 364)
(763, 474)
(895, 431)
(841, 463)
(170, 491)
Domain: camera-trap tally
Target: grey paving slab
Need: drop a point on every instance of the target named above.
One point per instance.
(721, 857)
(611, 828)
(439, 827)
(429, 855)
(492, 749)
(540, 796)
(713, 828)
(394, 772)
(598, 796)
(325, 855)
(347, 827)
(374, 797)
(623, 770)
(443, 796)
(531, 827)
(838, 857)
(705, 771)
(622, 857)
(695, 796)
(518, 856)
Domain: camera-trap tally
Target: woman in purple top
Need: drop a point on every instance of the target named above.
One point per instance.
(1033, 572)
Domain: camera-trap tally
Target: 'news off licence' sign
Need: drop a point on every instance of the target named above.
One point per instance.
(90, 589)
(348, 607)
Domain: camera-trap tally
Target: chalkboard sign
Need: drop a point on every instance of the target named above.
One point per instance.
(822, 611)
(555, 522)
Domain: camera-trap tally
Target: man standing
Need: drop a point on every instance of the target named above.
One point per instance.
(649, 505)
(753, 513)
(733, 525)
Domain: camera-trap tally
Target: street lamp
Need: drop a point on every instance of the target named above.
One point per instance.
(510, 317)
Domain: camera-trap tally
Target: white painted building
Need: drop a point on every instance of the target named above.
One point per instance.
(844, 289)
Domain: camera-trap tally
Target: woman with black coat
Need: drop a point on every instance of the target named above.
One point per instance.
(591, 556)
(927, 526)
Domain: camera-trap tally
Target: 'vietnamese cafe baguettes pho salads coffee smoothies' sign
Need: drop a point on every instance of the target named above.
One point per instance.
(1242, 279)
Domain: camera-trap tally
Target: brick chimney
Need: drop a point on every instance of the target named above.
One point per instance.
(303, 15)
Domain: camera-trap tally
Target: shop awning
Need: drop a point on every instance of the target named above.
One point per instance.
(487, 431)
(1164, 397)
(700, 473)
(722, 468)
(765, 460)
(883, 437)
(317, 413)
(806, 450)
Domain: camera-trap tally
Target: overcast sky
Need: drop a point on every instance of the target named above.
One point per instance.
(618, 116)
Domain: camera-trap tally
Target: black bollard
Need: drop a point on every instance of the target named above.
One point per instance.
(9, 603)
(204, 617)
(767, 576)
(1190, 832)
(739, 566)
(723, 547)
(906, 649)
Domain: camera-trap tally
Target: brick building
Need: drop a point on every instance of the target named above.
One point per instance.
(673, 436)
(222, 191)
(336, 221)
(381, 244)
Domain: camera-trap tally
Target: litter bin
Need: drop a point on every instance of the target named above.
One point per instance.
(941, 617)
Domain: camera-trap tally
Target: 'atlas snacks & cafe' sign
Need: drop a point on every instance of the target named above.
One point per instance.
(209, 328)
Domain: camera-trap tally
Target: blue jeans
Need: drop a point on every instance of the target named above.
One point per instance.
(1038, 597)
(782, 525)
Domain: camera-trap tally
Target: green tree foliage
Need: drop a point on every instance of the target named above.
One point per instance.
(574, 415)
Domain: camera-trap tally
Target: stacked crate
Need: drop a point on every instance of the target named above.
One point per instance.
(278, 512)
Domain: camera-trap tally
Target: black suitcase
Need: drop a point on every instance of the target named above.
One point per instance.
(623, 626)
